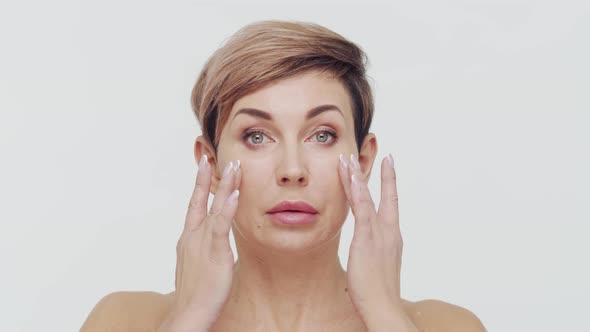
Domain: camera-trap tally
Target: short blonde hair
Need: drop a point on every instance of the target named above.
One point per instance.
(263, 52)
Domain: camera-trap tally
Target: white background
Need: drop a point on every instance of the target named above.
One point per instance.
(483, 104)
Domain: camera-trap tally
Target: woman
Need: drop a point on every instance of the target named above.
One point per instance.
(285, 110)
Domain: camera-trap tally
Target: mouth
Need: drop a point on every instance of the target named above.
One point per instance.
(289, 217)
(293, 213)
(293, 206)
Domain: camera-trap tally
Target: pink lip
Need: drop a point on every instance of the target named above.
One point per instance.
(293, 213)
(293, 218)
(293, 206)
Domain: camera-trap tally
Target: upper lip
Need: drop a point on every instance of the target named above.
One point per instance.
(299, 206)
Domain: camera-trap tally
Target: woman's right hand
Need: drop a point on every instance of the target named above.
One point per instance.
(205, 261)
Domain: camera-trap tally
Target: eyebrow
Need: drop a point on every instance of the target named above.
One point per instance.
(310, 114)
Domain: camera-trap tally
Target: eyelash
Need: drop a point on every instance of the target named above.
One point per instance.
(248, 133)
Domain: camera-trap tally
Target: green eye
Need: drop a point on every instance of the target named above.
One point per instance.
(256, 138)
(322, 136)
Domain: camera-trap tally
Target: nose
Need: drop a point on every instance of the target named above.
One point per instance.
(292, 169)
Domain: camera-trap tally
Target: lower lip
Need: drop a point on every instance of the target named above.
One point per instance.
(294, 218)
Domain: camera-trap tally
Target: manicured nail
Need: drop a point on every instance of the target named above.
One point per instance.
(390, 159)
(237, 165)
(354, 162)
(234, 196)
(203, 161)
(227, 169)
(343, 163)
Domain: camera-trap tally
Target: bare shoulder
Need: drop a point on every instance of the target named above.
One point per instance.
(439, 316)
(128, 311)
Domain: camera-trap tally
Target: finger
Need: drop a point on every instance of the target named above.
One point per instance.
(362, 195)
(220, 248)
(197, 209)
(238, 175)
(230, 207)
(344, 177)
(363, 207)
(388, 206)
(224, 189)
(223, 222)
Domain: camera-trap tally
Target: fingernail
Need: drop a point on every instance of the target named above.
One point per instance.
(390, 159)
(234, 196)
(354, 162)
(343, 161)
(227, 169)
(237, 165)
(203, 161)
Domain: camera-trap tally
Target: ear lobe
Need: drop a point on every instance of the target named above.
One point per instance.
(202, 147)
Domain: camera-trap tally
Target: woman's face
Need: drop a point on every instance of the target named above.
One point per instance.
(288, 153)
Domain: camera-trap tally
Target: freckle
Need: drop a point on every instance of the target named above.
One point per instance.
(346, 289)
(259, 226)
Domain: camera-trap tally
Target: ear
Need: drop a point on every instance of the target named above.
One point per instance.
(202, 147)
(367, 154)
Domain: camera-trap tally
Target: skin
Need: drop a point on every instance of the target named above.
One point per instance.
(279, 268)
(289, 278)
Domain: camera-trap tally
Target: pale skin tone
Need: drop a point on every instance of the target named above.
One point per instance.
(289, 278)
(293, 277)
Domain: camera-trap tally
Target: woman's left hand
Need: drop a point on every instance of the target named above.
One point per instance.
(374, 262)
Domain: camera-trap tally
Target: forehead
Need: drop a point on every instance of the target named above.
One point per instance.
(294, 97)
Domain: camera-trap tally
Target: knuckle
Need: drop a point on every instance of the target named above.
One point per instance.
(199, 187)
(212, 213)
(393, 198)
(364, 198)
(195, 205)
(196, 199)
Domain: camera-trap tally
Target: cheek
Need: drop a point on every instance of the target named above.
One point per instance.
(329, 172)
(328, 181)
(255, 177)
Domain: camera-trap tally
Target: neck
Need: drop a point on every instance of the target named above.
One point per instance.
(288, 291)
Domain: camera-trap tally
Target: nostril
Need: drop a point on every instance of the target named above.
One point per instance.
(301, 180)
